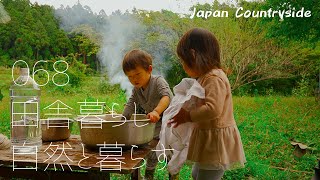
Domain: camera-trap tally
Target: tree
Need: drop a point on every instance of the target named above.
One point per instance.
(306, 29)
(87, 41)
(300, 35)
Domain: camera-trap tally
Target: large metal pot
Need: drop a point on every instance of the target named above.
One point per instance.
(110, 129)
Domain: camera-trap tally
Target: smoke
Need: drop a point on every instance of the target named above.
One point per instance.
(126, 32)
(4, 17)
(121, 33)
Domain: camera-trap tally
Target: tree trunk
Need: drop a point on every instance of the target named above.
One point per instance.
(84, 61)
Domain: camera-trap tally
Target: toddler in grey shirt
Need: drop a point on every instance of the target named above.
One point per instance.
(151, 94)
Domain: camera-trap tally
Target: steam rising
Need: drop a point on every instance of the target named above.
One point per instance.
(118, 38)
(126, 32)
(121, 33)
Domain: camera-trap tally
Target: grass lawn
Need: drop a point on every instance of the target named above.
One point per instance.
(267, 125)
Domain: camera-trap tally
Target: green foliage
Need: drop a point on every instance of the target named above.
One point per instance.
(255, 51)
(1, 95)
(85, 45)
(303, 87)
(105, 87)
(175, 73)
(61, 80)
(32, 33)
(73, 86)
(282, 87)
(76, 77)
(299, 29)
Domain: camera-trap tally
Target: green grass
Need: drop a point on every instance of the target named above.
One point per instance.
(267, 125)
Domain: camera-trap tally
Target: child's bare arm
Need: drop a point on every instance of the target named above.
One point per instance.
(162, 105)
(129, 107)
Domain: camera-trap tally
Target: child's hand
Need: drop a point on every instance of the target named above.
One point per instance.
(153, 116)
(182, 117)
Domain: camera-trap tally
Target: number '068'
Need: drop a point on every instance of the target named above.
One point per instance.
(34, 71)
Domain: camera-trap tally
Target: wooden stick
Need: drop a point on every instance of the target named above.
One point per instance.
(291, 170)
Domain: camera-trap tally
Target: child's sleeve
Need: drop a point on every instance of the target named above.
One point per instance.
(163, 88)
(215, 95)
(129, 107)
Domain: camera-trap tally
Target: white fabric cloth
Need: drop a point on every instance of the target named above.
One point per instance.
(186, 95)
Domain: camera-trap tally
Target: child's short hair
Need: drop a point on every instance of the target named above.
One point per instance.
(136, 58)
(205, 46)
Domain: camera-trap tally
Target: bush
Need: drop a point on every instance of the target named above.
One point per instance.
(105, 87)
(303, 88)
(73, 86)
(175, 74)
(75, 77)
